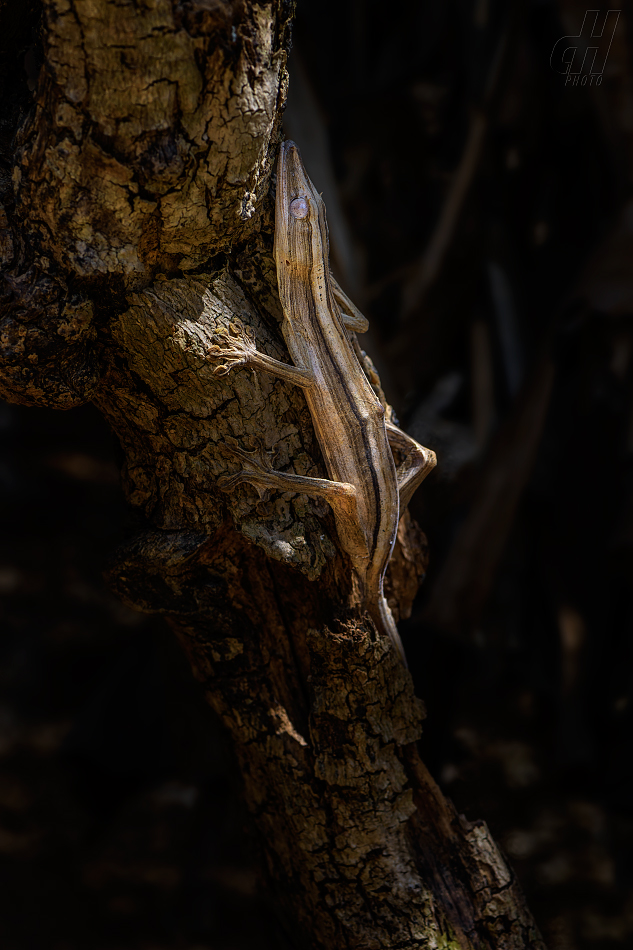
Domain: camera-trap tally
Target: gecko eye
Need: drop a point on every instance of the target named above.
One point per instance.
(299, 208)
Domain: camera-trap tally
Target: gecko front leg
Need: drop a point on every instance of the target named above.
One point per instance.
(350, 314)
(237, 347)
(340, 496)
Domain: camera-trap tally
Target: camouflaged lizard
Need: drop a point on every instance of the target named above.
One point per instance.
(365, 490)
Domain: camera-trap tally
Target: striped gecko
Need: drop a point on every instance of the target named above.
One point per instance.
(364, 490)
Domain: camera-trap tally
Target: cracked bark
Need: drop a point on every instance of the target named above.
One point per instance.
(136, 146)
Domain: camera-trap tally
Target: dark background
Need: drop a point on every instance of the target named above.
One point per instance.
(120, 822)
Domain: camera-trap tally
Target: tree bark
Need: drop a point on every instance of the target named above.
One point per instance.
(136, 218)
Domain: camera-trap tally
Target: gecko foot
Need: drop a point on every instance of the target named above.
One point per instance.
(235, 347)
(258, 470)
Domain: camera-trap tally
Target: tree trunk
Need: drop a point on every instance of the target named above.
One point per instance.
(137, 141)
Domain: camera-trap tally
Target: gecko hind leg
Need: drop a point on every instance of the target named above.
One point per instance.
(416, 465)
(341, 496)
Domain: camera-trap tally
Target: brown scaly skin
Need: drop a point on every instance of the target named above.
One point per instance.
(363, 489)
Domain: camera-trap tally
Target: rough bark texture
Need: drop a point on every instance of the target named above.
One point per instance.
(137, 141)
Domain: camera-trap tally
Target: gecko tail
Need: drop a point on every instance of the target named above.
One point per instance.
(383, 618)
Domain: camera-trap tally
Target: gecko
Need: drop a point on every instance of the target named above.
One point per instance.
(365, 490)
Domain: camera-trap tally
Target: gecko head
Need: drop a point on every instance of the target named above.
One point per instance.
(300, 223)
